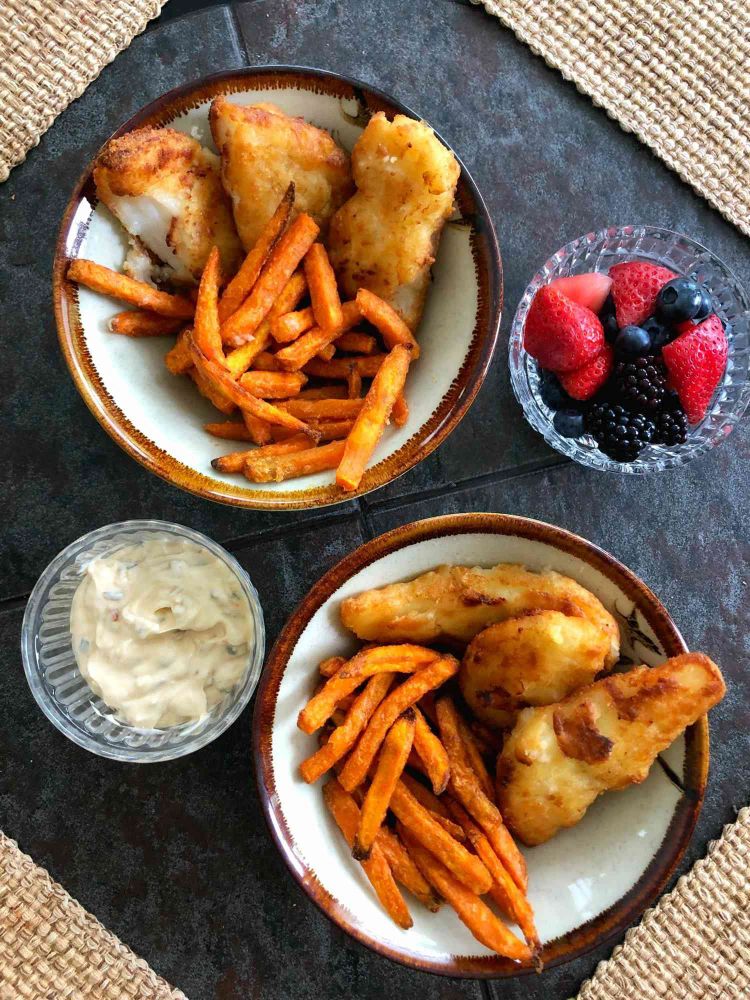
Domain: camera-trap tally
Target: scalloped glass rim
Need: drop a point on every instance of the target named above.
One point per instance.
(45, 647)
(598, 252)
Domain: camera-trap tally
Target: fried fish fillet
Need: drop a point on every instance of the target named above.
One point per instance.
(536, 659)
(262, 150)
(559, 759)
(165, 189)
(385, 237)
(456, 602)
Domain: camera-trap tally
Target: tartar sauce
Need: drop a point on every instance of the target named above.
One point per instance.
(161, 630)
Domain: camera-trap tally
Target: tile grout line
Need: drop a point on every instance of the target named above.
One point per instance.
(239, 37)
(472, 482)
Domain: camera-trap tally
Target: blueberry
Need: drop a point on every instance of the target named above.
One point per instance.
(679, 300)
(568, 423)
(659, 333)
(552, 393)
(611, 329)
(632, 341)
(706, 305)
(608, 309)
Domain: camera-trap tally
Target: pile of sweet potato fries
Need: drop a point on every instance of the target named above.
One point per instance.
(445, 839)
(253, 339)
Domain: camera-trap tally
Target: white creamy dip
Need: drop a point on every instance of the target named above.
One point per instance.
(161, 630)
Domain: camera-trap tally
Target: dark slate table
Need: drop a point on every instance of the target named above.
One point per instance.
(175, 858)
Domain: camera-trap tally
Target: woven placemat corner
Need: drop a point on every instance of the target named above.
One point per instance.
(52, 949)
(676, 73)
(50, 51)
(695, 943)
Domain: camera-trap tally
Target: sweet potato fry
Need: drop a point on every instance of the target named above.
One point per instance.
(230, 430)
(391, 762)
(206, 321)
(370, 423)
(356, 343)
(504, 891)
(242, 283)
(137, 323)
(345, 812)
(291, 325)
(432, 753)
(178, 359)
(241, 358)
(400, 411)
(221, 378)
(324, 293)
(343, 738)
(330, 666)
(326, 353)
(424, 796)
(403, 659)
(276, 469)
(207, 388)
(119, 286)
(339, 368)
(278, 269)
(259, 430)
(354, 384)
(329, 430)
(406, 695)
(474, 759)
(322, 409)
(466, 787)
(273, 385)
(405, 871)
(265, 362)
(306, 347)
(425, 830)
(235, 461)
(384, 317)
(472, 911)
(489, 741)
(324, 392)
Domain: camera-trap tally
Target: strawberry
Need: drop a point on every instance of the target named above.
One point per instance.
(635, 286)
(586, 381)
(560, 334)
(590, 290)
(695, 362)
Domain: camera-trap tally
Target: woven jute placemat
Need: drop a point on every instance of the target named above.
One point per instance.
(695, 943)
(52, 949)
(674, 72)
(50, 51)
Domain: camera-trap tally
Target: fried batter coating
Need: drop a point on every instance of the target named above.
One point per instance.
(262, 150)
(165, 189)
(559, 759)
(456, 602)
(533, 660)
(385, 237)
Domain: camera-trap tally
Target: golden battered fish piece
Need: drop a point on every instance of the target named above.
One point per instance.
(456, 602)
(559, 759)
(262, 150)
(533, 660)
(165, 189)
(385, 237)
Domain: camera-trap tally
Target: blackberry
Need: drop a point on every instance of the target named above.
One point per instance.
(640, 384)
(671, 427)
(618, 432)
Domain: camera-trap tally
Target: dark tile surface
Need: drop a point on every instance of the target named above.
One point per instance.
(175, 858)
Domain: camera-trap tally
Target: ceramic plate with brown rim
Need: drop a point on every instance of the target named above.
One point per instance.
(158, 419)
(589, 882)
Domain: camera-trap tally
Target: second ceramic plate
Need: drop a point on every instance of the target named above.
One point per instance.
(586, 884)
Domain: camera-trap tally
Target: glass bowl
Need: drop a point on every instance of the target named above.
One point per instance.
(61, 691)
(598, 252)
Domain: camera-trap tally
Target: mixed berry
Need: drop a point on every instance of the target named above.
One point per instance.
(631, 358)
